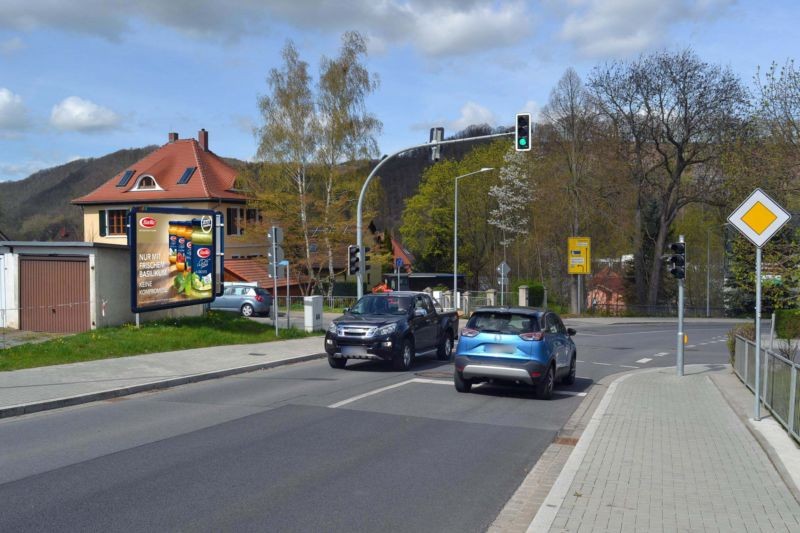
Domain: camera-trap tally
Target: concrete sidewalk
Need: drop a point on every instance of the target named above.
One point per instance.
(669, 453)
(49, 387)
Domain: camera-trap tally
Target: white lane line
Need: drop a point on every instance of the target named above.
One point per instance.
(578, 361)
(603, 364)
(569, 393)
(661, 354)
(644, 360)
(628, 366)
(389, 387)
(692, 346)
(370, 393)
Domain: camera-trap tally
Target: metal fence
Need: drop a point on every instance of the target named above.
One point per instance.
(779, 384)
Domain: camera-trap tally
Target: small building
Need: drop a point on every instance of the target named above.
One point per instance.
(605, 292)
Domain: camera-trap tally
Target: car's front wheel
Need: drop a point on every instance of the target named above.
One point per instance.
(544, 389)
(404, 359)
(569, 379)
(247, 310)
(337, 362)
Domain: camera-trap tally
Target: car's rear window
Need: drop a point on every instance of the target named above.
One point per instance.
(503, 322)
(262, 292)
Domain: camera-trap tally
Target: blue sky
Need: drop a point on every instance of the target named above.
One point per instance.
(86, 78)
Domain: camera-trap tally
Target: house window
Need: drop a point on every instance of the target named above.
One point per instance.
(113, 222)
(234, 221)
(146, 183)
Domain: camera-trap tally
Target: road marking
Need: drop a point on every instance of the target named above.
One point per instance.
(569, 393)
(691, 346)
(389, 387)
(644, 360)
(604, 364)
(628, 366)
(661, 354)
(579, 361)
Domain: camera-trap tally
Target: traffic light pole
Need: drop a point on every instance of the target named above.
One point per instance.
(359, 217)
(679, 358)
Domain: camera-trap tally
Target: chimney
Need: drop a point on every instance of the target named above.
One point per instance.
(173, 136)
(202, 138)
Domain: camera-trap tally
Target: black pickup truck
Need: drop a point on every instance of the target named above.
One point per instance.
(392, 326)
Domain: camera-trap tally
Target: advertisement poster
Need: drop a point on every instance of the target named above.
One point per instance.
(174, 260)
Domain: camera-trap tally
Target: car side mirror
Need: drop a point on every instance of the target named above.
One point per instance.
(571, 332)
(420, 312)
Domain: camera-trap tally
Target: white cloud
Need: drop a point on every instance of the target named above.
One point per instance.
(534, 109)
(13, 113)
(11, 46)
(76, 114)
(445, 27)
(618, 28)
(472, 114)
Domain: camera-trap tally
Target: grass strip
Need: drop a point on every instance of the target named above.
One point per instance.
(214, 329)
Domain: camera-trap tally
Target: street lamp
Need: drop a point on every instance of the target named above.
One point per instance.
(455, 234)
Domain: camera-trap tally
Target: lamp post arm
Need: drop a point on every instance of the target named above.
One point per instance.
(359, 218)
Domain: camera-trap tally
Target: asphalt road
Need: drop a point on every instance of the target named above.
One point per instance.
(306, 447)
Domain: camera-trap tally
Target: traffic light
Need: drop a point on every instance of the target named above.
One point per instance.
(366, 258)
(352, 260)
(678, 260)
(523, 132)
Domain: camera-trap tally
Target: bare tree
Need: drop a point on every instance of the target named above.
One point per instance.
(513, 194)
(289, 123)
(674, 114)
(572, 116)
(346, 131)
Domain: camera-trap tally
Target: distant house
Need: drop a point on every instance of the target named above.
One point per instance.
(605, 292)
(182, 173)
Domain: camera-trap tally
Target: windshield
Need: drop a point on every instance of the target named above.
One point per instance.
(374, 304)
(509, 323)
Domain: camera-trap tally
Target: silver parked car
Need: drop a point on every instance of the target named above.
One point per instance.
(244, 299)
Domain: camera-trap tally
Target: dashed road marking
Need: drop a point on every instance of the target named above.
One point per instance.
(389, 387)
(603, 364)
(692, 346)
(628, 366)
(644, 360)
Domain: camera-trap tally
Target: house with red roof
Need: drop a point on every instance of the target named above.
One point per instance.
(606, 292)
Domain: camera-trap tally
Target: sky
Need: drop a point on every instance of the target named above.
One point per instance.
(89, 77)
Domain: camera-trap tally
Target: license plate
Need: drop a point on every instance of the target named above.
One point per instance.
(354, 350)
(500, 348)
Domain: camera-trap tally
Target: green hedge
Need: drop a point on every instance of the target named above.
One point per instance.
(535, 290)
(787, 323)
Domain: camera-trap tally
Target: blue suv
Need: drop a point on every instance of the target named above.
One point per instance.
(515, 344)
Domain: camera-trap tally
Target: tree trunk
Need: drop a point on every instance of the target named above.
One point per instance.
(657, 264)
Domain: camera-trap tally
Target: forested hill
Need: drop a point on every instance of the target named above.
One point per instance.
(400, 176)
(38, 207)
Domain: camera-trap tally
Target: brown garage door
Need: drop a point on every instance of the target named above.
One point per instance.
(54, 294)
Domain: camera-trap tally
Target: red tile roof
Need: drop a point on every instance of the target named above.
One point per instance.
(213, 179)
(254, 270)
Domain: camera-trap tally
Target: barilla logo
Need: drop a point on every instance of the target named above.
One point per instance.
(181, 240)
(148, 222)
(203, 253)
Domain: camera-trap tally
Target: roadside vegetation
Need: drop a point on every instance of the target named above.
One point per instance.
(214, 329)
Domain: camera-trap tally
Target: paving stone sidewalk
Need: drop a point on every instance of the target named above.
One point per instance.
(669, 454)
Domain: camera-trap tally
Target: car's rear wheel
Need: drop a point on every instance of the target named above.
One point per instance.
(404, 359)
(337, 362)
(462, 385)
(445, 347)
(247, 310)
(544, 389)
(569, 379)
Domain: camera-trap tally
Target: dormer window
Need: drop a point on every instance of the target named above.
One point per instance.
(146, 183)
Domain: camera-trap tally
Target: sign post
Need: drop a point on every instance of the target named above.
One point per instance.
(758, 218)
(579, 262)
(503, 269)
(275, 253)
(398, 263)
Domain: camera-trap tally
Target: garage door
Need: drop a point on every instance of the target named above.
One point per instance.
(54, 294)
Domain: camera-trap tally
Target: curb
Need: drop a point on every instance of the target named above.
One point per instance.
(57, 403)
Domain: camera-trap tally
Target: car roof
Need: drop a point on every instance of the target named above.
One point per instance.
(510, 309)
(396, 293)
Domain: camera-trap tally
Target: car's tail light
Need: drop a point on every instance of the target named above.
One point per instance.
(469, 332)
(532, 336)
(259, 298)
(535, 374)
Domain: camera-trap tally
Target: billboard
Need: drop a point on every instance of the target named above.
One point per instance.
(176, 257)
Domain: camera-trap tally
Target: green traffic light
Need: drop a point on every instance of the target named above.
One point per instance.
(523, 141)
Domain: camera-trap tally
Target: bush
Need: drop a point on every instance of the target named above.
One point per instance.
(787, 323)
(748, 331)
(535, 291)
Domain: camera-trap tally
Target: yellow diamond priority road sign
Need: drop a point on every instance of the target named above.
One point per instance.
(759, 218)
